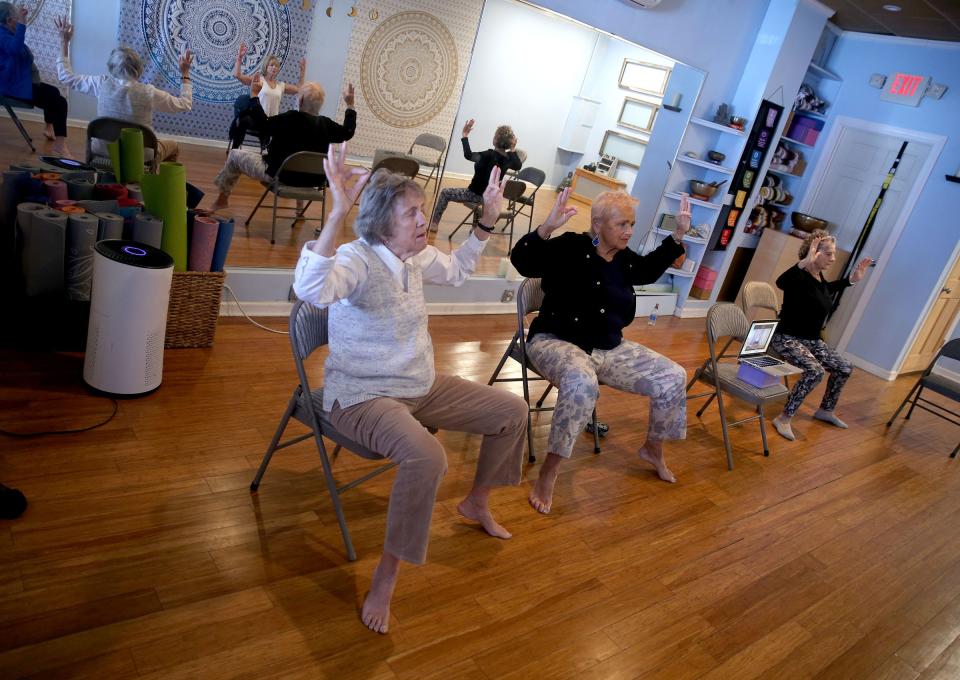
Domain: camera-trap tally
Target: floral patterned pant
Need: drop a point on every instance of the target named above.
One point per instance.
(455, 195)
(815, 357)
(628, 366)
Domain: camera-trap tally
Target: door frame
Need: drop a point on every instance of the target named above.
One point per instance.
(936, 142)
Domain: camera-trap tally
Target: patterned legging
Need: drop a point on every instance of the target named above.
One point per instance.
(814, 357)
(628, 366)
(456, 195)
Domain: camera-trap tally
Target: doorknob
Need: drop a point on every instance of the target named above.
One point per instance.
(946, 290)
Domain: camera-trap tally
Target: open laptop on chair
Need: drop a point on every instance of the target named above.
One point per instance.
(754, 350)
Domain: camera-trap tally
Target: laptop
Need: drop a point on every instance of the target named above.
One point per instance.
(754, 350)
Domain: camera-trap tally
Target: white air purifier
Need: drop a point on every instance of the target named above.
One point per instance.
(128, 318)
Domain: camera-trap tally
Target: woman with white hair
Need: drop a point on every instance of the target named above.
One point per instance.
(20, 78)
(121, 95)
(263, 100)
(380, 386)
(576, 341)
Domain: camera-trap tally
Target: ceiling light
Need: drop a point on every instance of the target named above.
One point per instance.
(893, 8)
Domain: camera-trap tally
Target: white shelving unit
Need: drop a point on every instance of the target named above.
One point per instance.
(715, 167)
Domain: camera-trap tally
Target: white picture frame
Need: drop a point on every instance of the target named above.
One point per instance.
(638, 114)
(644, 77)
(626, 149)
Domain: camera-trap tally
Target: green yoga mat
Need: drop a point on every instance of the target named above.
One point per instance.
(113, 148)
(131, 154)
(165, 196)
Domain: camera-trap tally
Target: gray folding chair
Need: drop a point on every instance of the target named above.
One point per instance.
(308, 332)
(108, 130)
(400, 166)
(760, 295)
(426, 159)
(303, 163)
(536, 177)
(512, 191)
(529, 300)
(11, 103)
(726, 320)
(938, 383)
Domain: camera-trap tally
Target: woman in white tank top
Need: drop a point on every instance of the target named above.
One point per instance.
(266, 92)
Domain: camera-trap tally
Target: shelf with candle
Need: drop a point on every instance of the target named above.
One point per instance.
(674, 104)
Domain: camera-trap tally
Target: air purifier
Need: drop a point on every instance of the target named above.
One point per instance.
(128, 318)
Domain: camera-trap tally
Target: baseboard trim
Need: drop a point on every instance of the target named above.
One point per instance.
(282, 309)
(872, 369)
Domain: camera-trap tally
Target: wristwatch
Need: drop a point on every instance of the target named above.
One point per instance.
(489, 230)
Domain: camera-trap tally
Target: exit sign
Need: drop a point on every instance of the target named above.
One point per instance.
(905, 88)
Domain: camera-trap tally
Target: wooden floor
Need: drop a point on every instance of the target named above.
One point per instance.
(144, 554)
(251, 245)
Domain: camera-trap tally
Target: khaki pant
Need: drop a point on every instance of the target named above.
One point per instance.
(241, 162)
(397, 428)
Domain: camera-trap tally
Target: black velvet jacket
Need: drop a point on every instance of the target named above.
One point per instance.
(806, 302)
(587, 301)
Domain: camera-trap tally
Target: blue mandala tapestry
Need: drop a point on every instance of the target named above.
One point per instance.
(160, 30)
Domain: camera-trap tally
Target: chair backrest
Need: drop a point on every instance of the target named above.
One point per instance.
(761, 295)
(305, 166)
(529, 299)
(532, 175)
(429, 140)
(951, 350)
(513, 189)
(400, 166)
(308, 332)
(522, 155)
(108, 129)
(725, 320)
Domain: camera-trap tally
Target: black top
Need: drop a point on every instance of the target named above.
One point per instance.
(588, 301)
(483, 163)
(806, 302)
(294, 131)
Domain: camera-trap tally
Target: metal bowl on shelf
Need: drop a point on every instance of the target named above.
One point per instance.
(807, 223)
(702, 189)
(716, 156)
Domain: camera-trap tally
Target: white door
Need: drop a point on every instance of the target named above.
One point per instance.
(846, 191)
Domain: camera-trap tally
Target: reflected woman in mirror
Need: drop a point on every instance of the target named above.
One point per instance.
(380, 386)
(576, 341)
(503, 155)
(263, 100)
(807, 301)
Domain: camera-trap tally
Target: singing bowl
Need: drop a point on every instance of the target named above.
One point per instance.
(702, 188)
(807, 223)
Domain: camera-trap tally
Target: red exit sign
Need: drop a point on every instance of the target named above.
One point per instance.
(905, 88)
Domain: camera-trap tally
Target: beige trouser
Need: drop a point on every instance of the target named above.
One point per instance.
(397, 428)
(168, 150)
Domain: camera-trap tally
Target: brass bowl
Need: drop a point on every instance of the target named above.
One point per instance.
(702, 188)
(716, 156)
(807, 223)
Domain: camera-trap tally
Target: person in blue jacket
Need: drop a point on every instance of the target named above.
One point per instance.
(19, 77)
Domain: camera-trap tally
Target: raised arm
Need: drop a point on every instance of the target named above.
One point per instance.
(467, 153)
(294, 89)
(533, 253)
(237, 73)
(166, 102)
(80, 83)
(342, 133)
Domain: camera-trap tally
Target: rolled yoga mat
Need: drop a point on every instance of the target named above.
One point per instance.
(62, 203)
(133, 191)
(202, 243)
(47, 176)
(42, 252)
(79, 188)
(81, 236)
(98, 206)
(224, 237)
(111, 226)
(147, 229)
(165, 195)
(81, 174)
(28, 166)
(25, 214)
(15, 187)
(109, 192)
(56, 190)
(71, 210)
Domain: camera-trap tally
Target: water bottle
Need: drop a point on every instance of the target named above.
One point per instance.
(652, 319)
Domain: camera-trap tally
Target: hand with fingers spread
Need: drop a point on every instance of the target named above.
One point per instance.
(338, 178)
(492, 201)
(348, 95)
(65, 28)
(468, 127)
(559, 215)
(861, 269)
(683, 218)
(811, 253)
(185, 61)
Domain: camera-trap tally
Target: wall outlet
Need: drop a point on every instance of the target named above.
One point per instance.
(507, 296)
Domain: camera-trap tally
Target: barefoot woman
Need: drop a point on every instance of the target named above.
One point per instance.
(380, 388)
(577, 339)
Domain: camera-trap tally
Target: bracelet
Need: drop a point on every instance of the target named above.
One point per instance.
(489, 230)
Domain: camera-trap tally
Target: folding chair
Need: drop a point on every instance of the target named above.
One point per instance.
(512, 191)
(935, 383)
(761, 295)
(11, 103)
(536, 177)
(726, 320)
(240, 106)
(401, 166)
(434, 143)
(303, 163)
(108, 130)
(308, 332)
(529, 300)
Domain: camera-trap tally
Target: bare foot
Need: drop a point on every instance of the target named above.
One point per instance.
(541, 494)
(471, 510)
(663, 472)
(62, 150)
(48, 132)
(221, 203)
(376, 607)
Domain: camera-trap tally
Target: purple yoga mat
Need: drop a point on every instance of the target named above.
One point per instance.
(202, 243)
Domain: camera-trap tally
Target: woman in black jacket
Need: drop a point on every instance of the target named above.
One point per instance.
(577, 339)
(807, 300)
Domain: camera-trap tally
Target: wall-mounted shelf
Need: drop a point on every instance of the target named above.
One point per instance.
(812, 114)
(823, 73)
(694, 201)
(717, 126)
(705, 164)
(952, 178)
(783, 173)
(679, 272)
(793, 141)
(687, 239)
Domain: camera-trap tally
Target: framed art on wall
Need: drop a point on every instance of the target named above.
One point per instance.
(644, 77)
(638, 114)
(626, 149)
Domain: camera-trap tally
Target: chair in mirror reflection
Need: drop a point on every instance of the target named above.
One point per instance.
(535, 177)
(512, 192)
(307, 168)
(429, 165)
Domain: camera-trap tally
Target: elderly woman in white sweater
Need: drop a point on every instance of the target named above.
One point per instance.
(380, 387)
(121, 94)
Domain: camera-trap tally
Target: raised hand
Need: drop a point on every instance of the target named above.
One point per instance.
(348, 95)
(242, 52)
(65, 28)
(559, 215)
(22, 12)
(861, 269)
(338, 177)
(683, 218)
(186, 59)
(493, 198)
(468, 127)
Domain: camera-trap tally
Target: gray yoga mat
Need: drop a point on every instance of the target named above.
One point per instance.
(79, 189)
(24, 220)
(147, 229)
(81, 237)
(111, 226)
(80, 174)
(105, 206)
(42, 254)
(28, 166)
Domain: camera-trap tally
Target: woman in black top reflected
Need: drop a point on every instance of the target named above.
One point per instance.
(807, 300)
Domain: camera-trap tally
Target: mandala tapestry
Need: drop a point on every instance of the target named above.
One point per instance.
(213, 30)
(408, 60)
(43, 39)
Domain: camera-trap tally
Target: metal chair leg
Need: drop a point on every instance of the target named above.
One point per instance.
(763, 432)
(291, 405)
(596, 432)
(23, 130)
(256, 208)
(472, 216)
(726, 434)
(503, 360)
(903, 403)
(706, 404)
(916, 398)
(334, 495)
(544, 395)
(273, 222)
(954, 454)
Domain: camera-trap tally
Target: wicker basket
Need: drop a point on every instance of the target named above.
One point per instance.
(194, 308)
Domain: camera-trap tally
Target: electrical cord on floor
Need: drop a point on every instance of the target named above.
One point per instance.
(116, 407)
(236, 301)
